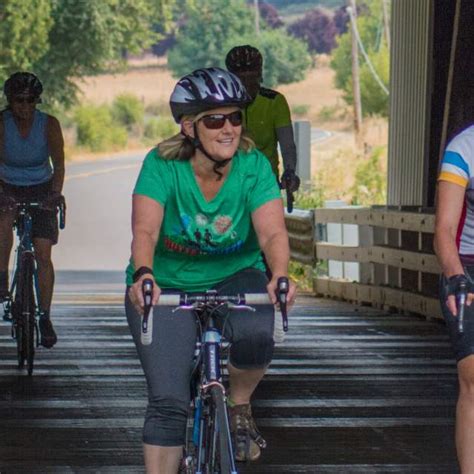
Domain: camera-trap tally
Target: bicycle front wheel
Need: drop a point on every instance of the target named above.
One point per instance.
(224, 457)
(25, 308)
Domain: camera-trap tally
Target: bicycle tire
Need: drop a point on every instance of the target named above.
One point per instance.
(19, 323)
(26, 308)
(224, 453)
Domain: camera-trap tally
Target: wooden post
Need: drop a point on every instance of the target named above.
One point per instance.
(352, 10)
(257, 18)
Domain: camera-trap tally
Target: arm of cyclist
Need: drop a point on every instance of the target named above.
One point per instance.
(288, 153)
(147, 216)
(56, 149)
(449, 205)
(269, 224)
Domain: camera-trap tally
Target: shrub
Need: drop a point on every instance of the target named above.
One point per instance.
(128, 110)
(160, 128)
(157, 108)
(96, 129)
(312, 196)
(370, 185)
(300, 109)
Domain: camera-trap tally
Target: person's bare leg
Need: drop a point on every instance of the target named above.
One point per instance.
(243, 383)
(465, 415)
(161, 459)
(6, 243)
(6, 239)
(45, 272)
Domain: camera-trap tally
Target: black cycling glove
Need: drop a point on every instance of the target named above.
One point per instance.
(455, 283)
(289, 180)
(54, 199)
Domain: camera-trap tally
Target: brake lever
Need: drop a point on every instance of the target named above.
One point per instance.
(283, 287)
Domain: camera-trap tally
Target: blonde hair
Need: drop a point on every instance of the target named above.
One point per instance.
(180, 147)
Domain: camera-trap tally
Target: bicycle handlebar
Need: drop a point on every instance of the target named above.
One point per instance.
(461, 297)
(290, 199)
(283, 286)
(191, 301)
(61, 207)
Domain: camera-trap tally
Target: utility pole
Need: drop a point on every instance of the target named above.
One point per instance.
(352, 10)
(257, 18)
(386, 22)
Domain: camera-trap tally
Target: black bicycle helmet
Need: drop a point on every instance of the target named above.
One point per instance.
(22, 83)
(244, 58)
(207, 89)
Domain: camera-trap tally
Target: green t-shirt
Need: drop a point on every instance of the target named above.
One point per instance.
(263, 116)
(201, 243)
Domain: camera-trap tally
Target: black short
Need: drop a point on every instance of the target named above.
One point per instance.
(463, 344)
(45, 222)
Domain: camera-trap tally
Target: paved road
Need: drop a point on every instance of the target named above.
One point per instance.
(350, 391)
(97, 234)
(318, 135)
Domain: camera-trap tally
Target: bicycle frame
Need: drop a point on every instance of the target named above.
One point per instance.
(23, 225)
(206, 448)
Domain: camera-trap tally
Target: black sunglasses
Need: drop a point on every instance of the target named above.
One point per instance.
(24, 100)
(216, 121)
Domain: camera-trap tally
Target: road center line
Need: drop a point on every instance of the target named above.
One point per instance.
(107, 170)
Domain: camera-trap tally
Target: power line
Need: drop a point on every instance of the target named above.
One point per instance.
(364, 53)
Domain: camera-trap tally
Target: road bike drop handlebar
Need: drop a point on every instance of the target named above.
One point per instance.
(147, 322)
(24, 205)
(290, 199)
(192, 301)
(461, 298)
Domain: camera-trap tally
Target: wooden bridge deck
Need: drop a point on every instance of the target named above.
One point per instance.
(352, 390)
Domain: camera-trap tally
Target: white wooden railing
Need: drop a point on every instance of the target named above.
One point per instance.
(397, 267)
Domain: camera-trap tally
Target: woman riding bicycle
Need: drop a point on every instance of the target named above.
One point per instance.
(204, 204)
(31, 169)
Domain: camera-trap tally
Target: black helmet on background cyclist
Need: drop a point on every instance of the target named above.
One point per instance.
(22, 83)
(244, 58)
(207, 89)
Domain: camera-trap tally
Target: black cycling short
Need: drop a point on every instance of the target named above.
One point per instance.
(45, 222)
(463, 344)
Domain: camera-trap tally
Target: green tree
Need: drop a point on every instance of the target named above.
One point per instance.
(285, 59)
(64, 40)
(369, 25)
(213, 27)
(22, 44)
(95, 35)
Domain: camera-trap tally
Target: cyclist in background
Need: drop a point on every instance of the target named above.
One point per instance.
(454, 246)
(204, 204)
(267, 117)
(31, 168)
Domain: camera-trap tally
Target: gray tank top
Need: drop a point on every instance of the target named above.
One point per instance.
(25, 161)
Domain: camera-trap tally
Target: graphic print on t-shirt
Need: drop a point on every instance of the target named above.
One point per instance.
(203, 236)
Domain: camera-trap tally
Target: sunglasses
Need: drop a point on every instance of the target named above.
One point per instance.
(216, 121)
(24, 100)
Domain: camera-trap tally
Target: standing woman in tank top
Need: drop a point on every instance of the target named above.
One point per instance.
(31, 168)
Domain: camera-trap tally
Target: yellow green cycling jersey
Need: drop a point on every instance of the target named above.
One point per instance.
(263, 116)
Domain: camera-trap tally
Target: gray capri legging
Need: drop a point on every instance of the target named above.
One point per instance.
(167, 361)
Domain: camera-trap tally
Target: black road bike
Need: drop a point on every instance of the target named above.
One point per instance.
(21, 307)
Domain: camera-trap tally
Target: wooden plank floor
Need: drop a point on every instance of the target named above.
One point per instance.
(350, 391)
